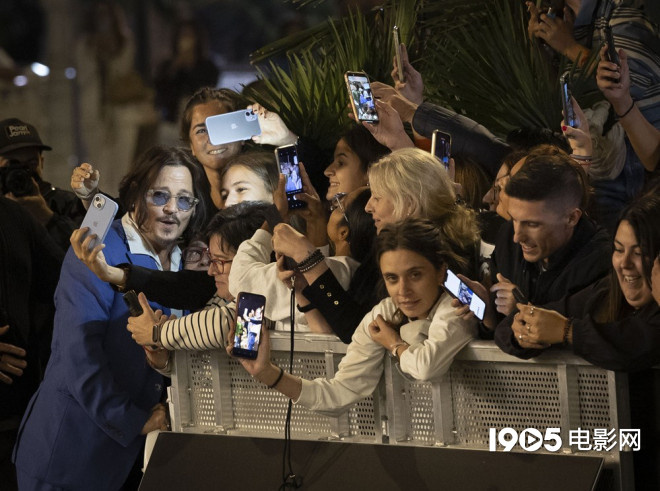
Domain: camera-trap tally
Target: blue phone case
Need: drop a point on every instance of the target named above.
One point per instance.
(232, 127)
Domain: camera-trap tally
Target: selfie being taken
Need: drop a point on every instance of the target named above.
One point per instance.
(248, 245)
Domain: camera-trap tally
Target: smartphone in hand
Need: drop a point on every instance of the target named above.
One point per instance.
(133, 304)
(232, 127)
(441, 146)
(397, 53)
(464, 294)
(250, 309)
(287, 159)
(361, 97)
(99, 217)
(567, 104)
(612, 54)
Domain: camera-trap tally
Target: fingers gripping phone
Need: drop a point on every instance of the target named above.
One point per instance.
(287, 159)
(250, 309)
(567, 104)
(397, 53)
(465, 295)
(133, 304)
(361, 97)
(441, 147)
(99, 218)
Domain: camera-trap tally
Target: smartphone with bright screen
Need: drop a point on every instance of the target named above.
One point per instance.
(397, 53)
(249, 318)
(362, 100)
(287, 159)
(99, 217)
(567, 104)
(441, 146)
(465, 295)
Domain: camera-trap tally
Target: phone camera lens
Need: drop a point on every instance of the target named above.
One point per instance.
(247, 113)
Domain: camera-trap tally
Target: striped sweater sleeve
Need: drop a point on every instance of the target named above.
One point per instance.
(204, 330)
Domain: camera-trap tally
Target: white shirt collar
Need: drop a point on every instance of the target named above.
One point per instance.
(138, 244)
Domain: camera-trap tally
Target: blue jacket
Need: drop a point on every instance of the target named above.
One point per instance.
(82, 427)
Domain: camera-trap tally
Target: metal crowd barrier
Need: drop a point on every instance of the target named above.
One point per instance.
(485, 388)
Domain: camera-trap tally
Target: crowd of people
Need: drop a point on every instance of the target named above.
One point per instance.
(562, 245)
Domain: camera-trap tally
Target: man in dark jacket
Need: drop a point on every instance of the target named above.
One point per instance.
(30, 265)
(21, 179)
(549, 249)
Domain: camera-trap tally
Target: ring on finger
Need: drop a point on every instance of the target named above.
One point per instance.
(531, 311)
(520, 336)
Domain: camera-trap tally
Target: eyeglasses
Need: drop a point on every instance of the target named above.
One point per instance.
(196, 254)
(497, 188)
(337, 202)
(161, 198)
(220, 264)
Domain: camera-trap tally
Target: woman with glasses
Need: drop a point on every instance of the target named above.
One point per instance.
(85, 425)
(415, 324)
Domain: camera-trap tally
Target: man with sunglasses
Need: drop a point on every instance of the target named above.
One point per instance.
(87, 421)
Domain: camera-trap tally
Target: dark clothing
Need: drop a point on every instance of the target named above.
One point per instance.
(468, 137)
(175, 85)
(344, 310)
(68, 213)
(30, 265)
(585, 259)
(185, 289)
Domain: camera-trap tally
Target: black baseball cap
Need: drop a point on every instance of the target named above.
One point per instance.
(15, 134)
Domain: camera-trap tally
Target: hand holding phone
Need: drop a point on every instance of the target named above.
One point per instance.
(134, 307)
(250, 309)
(397, 54)
(567, 103)
(287, 159)
(98, 218)
(458, 289)
(361, 97)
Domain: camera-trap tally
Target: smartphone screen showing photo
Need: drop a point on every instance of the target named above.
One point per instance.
(567, 104)
(465, 295)
(287, 159)
(362, 100)
(249, 318)
(441, 147)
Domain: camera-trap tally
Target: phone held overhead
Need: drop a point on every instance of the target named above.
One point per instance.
(570, 117)
(441, 147)
(250, 309)
(361, 97)
(99, 218)
(397, 54)
(232, 127)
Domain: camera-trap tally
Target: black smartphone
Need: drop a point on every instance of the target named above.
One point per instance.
(362, 100)
(397, 53)
(287, 159)
(134, 307)
(567, 104)
(519, 296)
(249, 318)
(465, 295)
(441, 146)
(612, 55)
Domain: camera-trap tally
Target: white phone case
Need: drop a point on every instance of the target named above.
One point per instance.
(99, 217)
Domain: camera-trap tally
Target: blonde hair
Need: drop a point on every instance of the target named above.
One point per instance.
(418, 185)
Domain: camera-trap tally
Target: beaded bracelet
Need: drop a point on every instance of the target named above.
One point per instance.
(310, 261)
